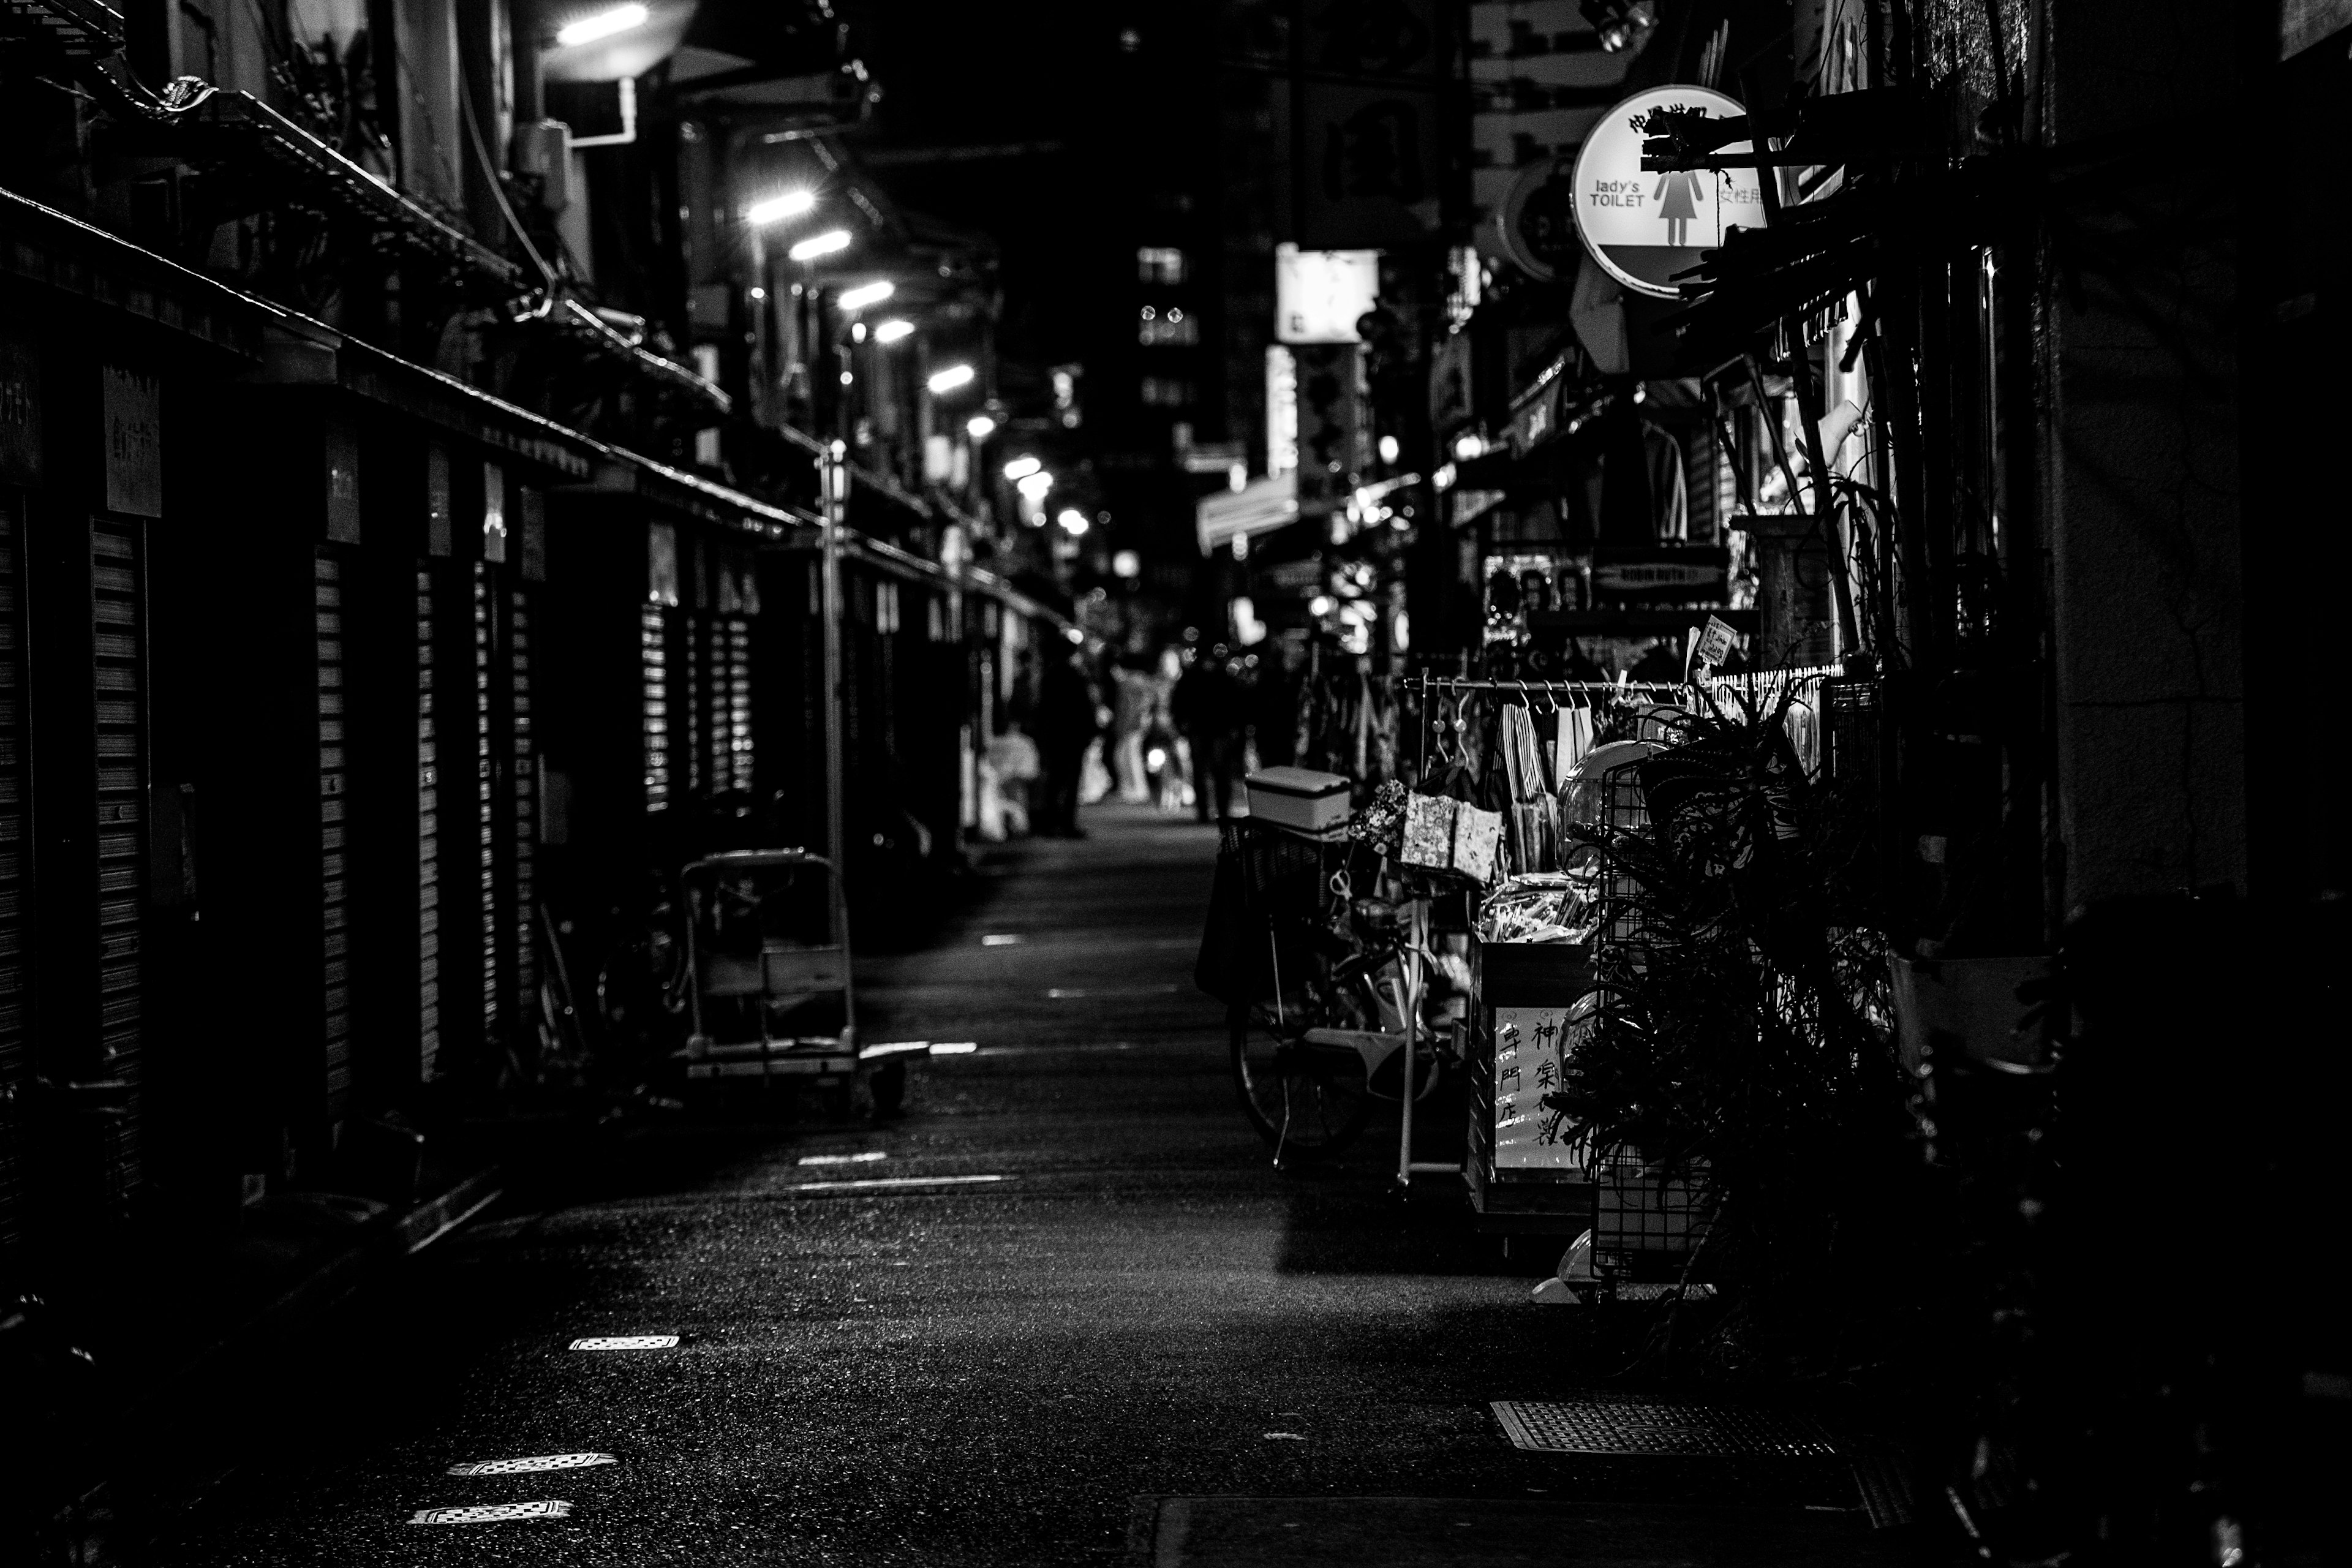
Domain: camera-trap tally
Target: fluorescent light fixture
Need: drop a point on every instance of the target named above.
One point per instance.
(948, 379)
(867, 294)
(1035, 486)
(603, 24)
(892, 330)
(775, 209)
(1072, 522)
(980, 427)
(954, 1047)
(1022, 467)
(818, 245)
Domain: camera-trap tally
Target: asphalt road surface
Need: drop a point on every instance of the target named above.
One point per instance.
(1063, 1312)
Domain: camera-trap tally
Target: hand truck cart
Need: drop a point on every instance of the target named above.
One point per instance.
(771, 995)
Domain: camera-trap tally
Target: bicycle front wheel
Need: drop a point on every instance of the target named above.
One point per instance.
(1308, 1102)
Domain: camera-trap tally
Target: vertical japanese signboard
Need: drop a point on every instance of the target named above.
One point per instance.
(1366, 133)
(134, 442)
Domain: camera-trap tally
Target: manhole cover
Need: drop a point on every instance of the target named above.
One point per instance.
(492, 1513)
(535, 1462)
(1631, 1425)
(627, 1343)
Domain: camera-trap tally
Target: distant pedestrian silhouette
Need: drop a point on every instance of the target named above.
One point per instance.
(1679, 191)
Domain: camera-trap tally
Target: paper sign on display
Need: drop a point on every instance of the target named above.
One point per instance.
(1529, 1048)
(1644, 228)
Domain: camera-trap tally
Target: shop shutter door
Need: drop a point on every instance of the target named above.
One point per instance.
(16, 1068)
(428, 840)
(652, 647)
(334, 847)
(120, 651)
(739, 703)
(483, 807)
(718, 732)
(523, 791)
(688, 659)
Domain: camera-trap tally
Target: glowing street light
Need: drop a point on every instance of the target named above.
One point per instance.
(1034, 486)
(980, 427)
(1020, 469)
(1072, 522)
(888, 332)
(867, 294)
(818, 245)
(603, 24)
(948, 379)
(775, 209)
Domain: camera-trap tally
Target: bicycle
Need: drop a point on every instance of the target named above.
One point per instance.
(1329, 990)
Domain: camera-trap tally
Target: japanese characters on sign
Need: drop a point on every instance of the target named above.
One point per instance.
(1645, 229)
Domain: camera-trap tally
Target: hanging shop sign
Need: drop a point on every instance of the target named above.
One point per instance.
(1538, 222)
(1320, 295)
(1663, 572)
(134, 442)
(1645, 228)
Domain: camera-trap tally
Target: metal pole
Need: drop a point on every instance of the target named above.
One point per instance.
(832, 471)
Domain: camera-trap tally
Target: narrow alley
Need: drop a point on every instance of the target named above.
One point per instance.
(1064, 1311)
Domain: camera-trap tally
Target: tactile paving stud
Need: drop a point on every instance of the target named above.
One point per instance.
(627, 1343)
(1628, 1425)
(535, 1462)
(492, 1513)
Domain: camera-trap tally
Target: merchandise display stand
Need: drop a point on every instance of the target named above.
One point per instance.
(1521, 996)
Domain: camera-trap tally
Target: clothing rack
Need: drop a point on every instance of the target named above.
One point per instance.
(1669, 691)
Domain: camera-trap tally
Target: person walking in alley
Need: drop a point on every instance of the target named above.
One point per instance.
(1065, 725)
(1208, 706)
(1133, 699)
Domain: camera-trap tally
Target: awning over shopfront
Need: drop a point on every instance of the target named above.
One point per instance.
(1261, 507)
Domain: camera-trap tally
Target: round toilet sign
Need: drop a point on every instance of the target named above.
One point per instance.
(1642, 228)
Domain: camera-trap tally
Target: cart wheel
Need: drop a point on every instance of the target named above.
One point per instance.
(1307, 1104)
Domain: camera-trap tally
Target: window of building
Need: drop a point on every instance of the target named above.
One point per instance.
(1166, 392)
(1156, 329)
(1158, 264)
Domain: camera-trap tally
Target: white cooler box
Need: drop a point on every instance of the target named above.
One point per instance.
(1298, 798)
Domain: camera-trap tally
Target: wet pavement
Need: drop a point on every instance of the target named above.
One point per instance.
(1063, 1311)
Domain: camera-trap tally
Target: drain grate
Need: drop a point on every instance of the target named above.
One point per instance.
(1625, 1425)
(627, 1343)
(535, 1462)
(491, 1513)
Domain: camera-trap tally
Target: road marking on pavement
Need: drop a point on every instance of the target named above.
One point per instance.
(627, 1343)
(1287, 1436)
(492, 1513)
(1078, 993)
(1003, 939)
(535, 1462)
(894, 1182)
(860, 1158)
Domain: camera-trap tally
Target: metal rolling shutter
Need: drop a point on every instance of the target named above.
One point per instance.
(118, 609)
(739, 703)
(653, 647)
(429, 841)
(485, 809)
(717, 728)
(692, 706)
(524, 792)
(15, 1069)
(334, 855)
